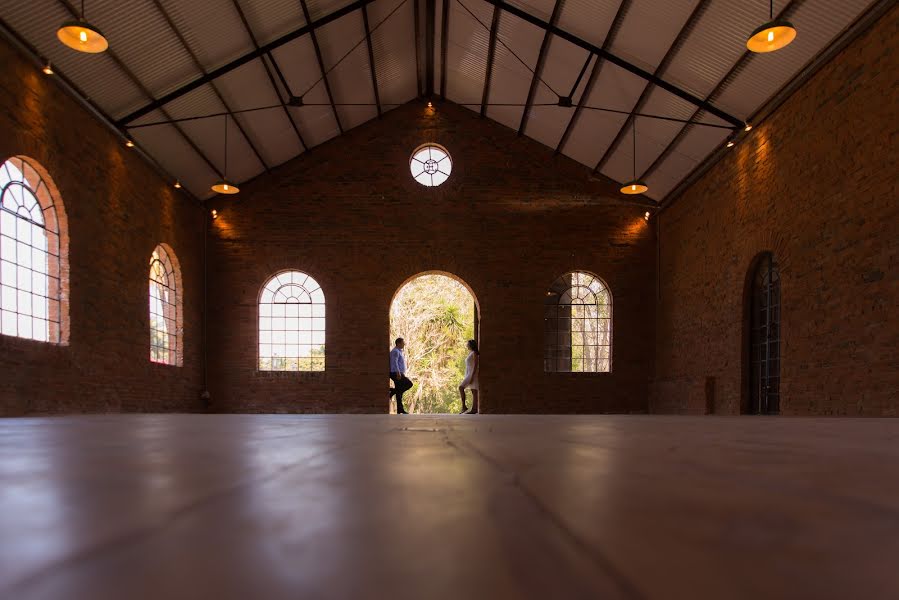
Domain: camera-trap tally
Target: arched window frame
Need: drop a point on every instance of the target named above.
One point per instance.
(166, 312)
(762, 336)
(578, 325)
(291, 326)
(46, 295)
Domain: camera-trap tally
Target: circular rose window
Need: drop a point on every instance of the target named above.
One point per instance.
(430, 164)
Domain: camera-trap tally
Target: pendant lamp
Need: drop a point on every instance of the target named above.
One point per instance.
(82, 36)
(634, 186)
(773, 35)
(224, 186)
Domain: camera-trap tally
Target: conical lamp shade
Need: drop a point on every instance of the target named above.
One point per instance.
(771, 36)
(225, 187)
(634, 187)
(82, 36)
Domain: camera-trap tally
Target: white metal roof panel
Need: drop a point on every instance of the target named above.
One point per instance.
(270, 19)
(349, 72)
(648, 30)
(686, 156)
(590, 20)
(169, 148)
(270, 130)
(563, 63)
(513, 62)
(393, 46)
(300, 67)
(213, 30)
(321, 8)
(466, 52)
(615, 89)
(538, 8)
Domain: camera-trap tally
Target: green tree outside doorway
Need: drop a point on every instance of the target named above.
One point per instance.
(435, 314)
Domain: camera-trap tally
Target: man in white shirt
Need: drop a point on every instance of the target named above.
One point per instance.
(401, 383)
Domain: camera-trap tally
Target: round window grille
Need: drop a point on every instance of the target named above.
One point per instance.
(430, 164)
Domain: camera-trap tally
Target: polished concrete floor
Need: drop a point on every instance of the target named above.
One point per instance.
(266, 506)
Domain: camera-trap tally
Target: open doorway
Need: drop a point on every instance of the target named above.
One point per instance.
(436, 313)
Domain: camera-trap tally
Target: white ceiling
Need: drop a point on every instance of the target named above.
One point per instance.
(157, 46)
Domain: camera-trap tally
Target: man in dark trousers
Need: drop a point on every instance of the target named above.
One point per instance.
(401, 383)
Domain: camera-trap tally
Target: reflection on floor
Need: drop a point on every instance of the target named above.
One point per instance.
(257, 506)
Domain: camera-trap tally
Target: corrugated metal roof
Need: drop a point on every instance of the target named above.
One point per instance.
(350, 78)
(513, 61)
(269, 130)
(147, 46)
(648, 30)
(270, 19)
(588, 19)
(466, 52)
(391, 42)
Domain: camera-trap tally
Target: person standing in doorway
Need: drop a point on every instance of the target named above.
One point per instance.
(472, 366)
(401, 383)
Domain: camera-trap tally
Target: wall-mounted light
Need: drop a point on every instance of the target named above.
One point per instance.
(730, 143)
(177, 185)
(646, 216)
(748, 127)
(771, 36)
(82, 36)
(430, 104)
(634, 186)
(48, 70)
(129, 143)
(215, 214)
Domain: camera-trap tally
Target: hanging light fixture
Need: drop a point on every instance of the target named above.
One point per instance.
(224, 186)
(634, 186)
(82, 36)
(773, 35)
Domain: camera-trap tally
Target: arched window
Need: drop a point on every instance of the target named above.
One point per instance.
(577, 317)
(291, 324)
(165, 307)
(32, 247)
(764, 337)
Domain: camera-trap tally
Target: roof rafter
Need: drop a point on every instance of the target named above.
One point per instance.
(675, 46)
(371, 59)
(137, 82)
(616, 60)
(444, 33)
(215, 89)
(719, 87)
(321, 65)
(491, 51)
(594, 74)
(240, 61)
(538, 68)
(268, 71)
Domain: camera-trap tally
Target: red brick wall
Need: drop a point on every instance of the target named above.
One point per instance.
(118, 209)
(510, 220)
(816, 184)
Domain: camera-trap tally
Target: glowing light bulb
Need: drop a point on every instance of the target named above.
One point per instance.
(226, 187)
(646, 215)
(771, 36)
(730, 144)
(634, 187)
(48, 70)
(129, 143)
(430, 105)
(177, 185)
(748, 127)
(215, 214)
(82, 35)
